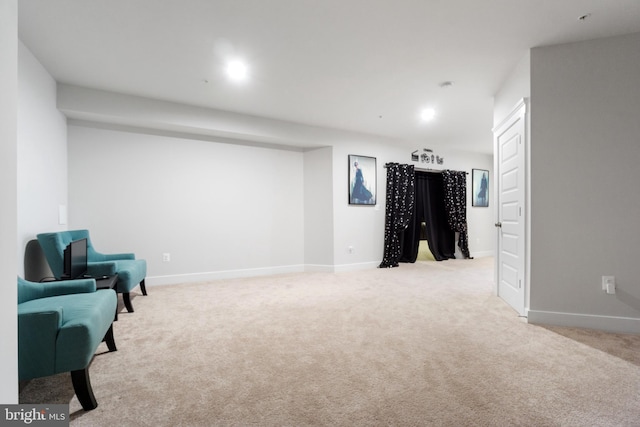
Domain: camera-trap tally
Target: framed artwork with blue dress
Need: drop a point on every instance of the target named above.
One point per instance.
(480, 196)
(362, 180)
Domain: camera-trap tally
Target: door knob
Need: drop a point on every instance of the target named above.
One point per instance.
(498, 224)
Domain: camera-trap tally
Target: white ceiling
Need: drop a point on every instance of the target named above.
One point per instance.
(359, 65)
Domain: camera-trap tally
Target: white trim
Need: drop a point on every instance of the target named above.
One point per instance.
(520, 111)
(622, 325)
(483, 254)
(356, 267)
(515, 111)
(224, 274)
(174, 279)
(319, 268)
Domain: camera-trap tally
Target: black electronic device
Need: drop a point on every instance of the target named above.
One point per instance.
(75, 259)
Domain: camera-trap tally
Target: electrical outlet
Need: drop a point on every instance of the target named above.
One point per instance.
(609, 284)
(166, 257)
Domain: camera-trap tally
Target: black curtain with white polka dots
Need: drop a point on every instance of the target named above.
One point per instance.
(400, 202)
(455, 193)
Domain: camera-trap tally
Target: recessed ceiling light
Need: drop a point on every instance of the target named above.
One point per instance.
(427, 114)
(237, 70)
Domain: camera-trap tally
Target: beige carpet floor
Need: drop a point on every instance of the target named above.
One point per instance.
(425, 344)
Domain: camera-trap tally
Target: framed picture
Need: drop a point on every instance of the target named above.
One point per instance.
(362, 180)
(480, 196)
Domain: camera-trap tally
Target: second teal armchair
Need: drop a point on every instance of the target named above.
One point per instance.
(130, 271)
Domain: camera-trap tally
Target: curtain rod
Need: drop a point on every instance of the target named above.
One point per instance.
(432, 170)
(425, 170)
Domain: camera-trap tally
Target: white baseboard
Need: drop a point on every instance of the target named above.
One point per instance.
(316, 268)
(319, 268)
(481, 254)
(174, 279)
(622, 325)
(356, 267)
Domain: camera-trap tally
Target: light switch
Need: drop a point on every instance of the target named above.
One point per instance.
(62, 214)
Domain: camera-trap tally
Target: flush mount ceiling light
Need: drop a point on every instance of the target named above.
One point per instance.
(237, 70)
(427, 114)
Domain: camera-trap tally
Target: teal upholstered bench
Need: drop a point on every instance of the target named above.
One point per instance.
(60, 326)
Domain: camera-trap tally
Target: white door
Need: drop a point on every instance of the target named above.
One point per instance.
(509, 149)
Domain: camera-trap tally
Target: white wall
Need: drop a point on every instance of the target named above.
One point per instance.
(34, 174)
(360, 227)
(516, 86)
(318, 209)
(8, 215)
(42, 153)
(585, 134)
(218, 209)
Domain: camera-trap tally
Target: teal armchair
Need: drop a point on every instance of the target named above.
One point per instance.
(131, 271)
(60, 326)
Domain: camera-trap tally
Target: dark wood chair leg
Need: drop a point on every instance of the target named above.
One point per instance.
(108, 338)
(82, 387)
(126, 298)
(143, 288)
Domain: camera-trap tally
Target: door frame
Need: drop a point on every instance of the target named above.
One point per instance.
(522, 107)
